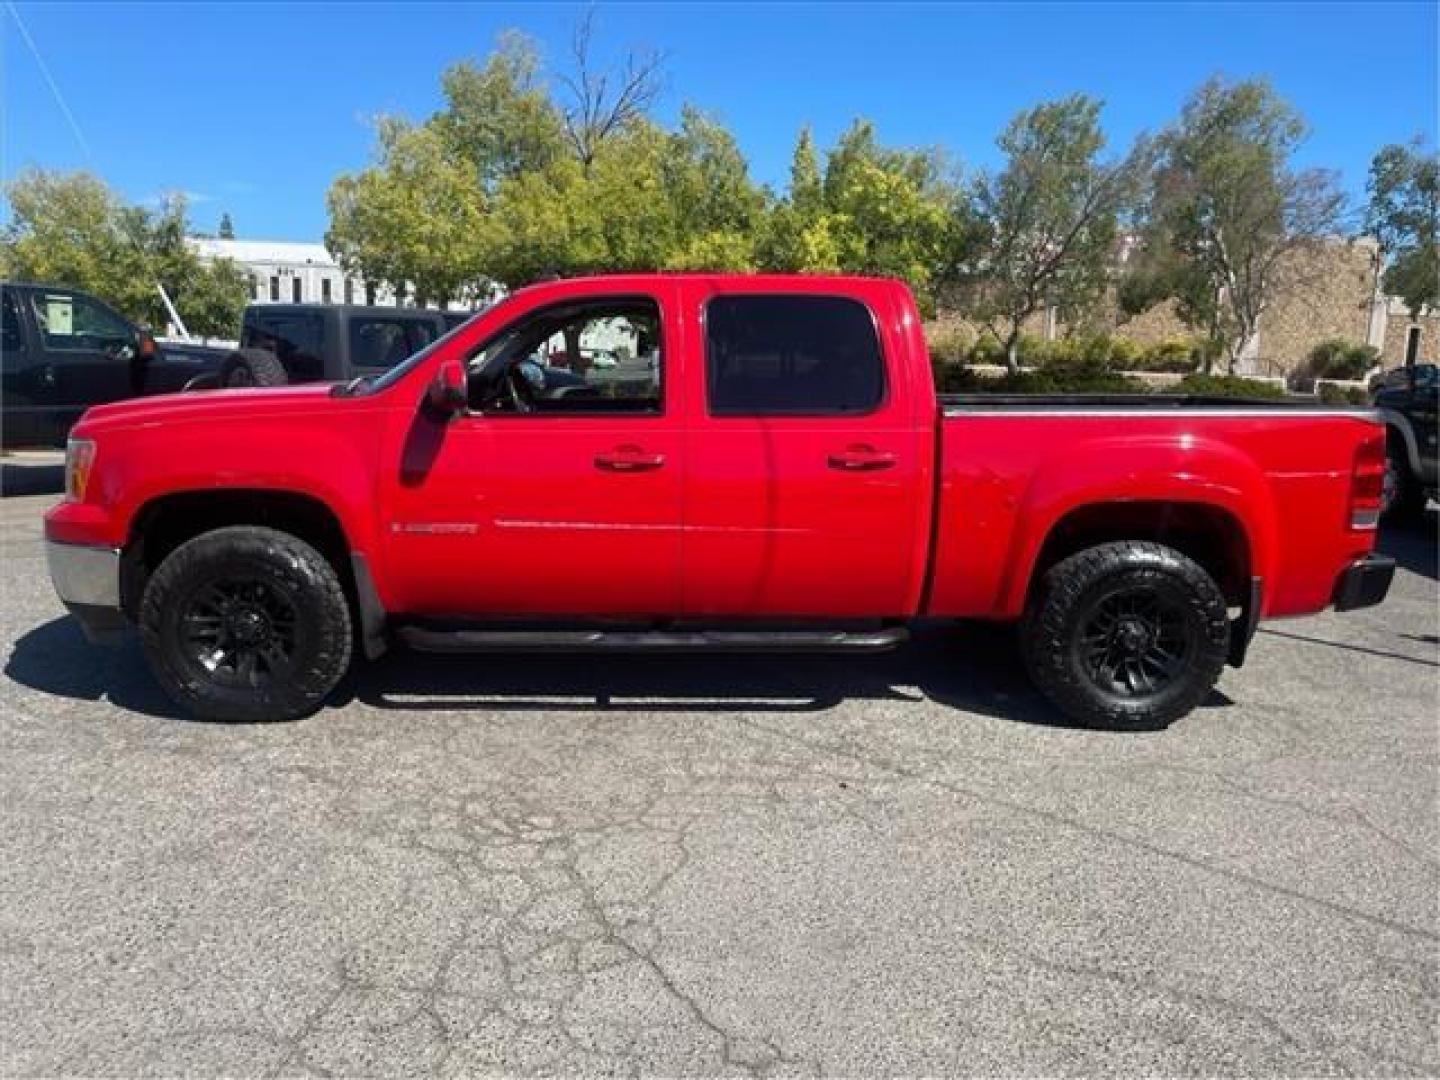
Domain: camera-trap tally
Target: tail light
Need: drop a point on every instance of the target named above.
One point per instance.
(1367, 481)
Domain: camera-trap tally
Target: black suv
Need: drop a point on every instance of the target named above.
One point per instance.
(1408, 399)
(63, 350)
(298, 343)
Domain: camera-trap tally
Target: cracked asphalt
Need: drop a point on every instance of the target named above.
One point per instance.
(724, 866)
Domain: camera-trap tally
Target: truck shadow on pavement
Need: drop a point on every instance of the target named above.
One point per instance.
(973, 668)
(1415, 547)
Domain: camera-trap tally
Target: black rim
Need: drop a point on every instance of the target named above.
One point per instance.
(1135, 643)
(240, 633)
(1389, 486)
(239, 376)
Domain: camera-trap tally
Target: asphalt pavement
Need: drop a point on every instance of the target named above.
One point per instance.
(722, 866)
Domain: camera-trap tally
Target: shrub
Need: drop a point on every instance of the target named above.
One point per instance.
(1229, 386)
(1340, 359)
(1179, 356)
(1331, 394)
(986, 350)
(949, 344)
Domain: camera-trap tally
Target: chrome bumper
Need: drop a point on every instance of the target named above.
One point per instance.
(87, 580)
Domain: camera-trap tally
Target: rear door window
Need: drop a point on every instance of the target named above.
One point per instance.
(378, 344)
(792, 356)
(297, 340)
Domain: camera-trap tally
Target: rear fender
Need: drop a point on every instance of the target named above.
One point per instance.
(1126, 469)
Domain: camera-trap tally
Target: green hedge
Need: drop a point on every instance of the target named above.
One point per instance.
(1094, 377)
(1179, 355)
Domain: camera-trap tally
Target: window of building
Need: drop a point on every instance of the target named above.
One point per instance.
(370, 294)
(254, 286)
(325, 290)
(791, 355)
(349, 291)
(296, 290)
(1412, 345)
(274, 288)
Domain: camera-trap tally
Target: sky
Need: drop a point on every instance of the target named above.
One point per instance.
(253, 109)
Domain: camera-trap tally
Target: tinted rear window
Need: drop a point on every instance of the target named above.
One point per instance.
(791, 355)
(295, 339)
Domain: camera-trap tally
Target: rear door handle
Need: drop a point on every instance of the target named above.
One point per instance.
(628, 459)
(861, 459)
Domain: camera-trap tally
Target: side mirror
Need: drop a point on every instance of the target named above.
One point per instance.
(447, 394)
(144, 344)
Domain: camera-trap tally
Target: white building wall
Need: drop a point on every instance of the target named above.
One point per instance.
(288, 262)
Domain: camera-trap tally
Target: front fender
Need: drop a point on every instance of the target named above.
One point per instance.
(1183, 468)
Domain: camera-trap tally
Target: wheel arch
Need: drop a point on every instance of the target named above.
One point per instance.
(165, 522)
(1398, 428)
(1205, 532)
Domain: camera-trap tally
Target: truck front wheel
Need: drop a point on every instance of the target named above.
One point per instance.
(246, 624)
(1129, 636)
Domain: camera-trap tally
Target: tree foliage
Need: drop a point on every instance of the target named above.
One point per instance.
(417, 217)
(1045, 227)
(873, 210)
(1403, 215)
(70, 229)
(1229, 215)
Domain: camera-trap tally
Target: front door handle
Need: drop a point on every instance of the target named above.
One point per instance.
(628, 459)
(861, 459)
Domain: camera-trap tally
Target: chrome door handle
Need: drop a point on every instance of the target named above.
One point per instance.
(861, 459)
(628, 459)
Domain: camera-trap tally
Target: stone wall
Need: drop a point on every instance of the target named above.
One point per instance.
(1398, 324)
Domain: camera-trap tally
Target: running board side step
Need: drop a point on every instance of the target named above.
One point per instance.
(470, 641)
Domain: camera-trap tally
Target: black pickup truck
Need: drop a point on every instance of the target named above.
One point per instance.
(1409, 401)
(299, 343)
(63, 350)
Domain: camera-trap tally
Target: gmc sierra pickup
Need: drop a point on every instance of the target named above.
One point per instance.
(766, 465)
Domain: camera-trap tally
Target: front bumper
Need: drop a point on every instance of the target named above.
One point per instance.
(1364, 582)
(87, 579)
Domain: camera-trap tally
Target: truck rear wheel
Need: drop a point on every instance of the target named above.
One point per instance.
(1402, 498)
(248, 624)
(1128, 636)
(253, 367)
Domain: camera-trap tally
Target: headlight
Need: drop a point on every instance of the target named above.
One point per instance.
(79, 457)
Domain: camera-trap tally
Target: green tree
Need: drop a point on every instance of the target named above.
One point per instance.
(70, 229)
(1403, 215)
(874, 210)
(499, 115)
(417, 218)
(1229, 214)
(226, 230)
(1045, 228)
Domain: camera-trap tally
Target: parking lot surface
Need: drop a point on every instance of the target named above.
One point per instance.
(754, 865)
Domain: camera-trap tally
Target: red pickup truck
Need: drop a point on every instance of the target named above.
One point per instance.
(766, 465)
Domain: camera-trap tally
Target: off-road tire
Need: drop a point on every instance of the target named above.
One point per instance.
(300, 577)
(1067, 596)
(252, 367)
